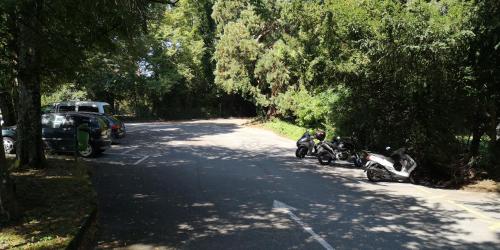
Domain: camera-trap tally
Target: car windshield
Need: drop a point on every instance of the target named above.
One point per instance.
(66, 108)
(88, 109)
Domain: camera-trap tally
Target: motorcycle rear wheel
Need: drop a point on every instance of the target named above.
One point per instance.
(324, 158)
(301, 152)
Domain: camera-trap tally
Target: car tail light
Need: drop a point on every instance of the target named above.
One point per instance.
(115, 126)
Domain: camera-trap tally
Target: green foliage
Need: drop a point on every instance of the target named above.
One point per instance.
(67, 92)
(310, 109)
(389, 71)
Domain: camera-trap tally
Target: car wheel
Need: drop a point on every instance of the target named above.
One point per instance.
(88, 152)
(9, 145)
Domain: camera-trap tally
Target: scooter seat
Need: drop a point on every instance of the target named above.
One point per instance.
(389, 159)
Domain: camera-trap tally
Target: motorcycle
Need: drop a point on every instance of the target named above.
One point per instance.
(306, 145)
(338, 149)
(398, 166)
(344, 149)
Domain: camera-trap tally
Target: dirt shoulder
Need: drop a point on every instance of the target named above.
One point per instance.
(54, 202)
(484, 186)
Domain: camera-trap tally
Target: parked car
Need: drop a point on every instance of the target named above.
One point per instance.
(81, 106)
(118, 130)
(117, 127)
(9, 139)
(58, 133)
(498, 131)
(58, 130)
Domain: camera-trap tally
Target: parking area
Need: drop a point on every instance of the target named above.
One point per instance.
(220, 184)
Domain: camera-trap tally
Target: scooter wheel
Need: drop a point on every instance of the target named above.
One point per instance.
(371, 175)
(301, 152)
(324, 158)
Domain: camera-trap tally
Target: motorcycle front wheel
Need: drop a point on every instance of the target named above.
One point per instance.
(301, 152)
(324, 158)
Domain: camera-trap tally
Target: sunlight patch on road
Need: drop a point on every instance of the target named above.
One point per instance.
(206, 204)
(494, 224)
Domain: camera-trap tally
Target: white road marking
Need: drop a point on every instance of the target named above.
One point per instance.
(141, 160)
(128, 151)
(279, 206)
(106, 162)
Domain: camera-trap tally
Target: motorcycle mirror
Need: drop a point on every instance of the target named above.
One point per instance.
(387, 148)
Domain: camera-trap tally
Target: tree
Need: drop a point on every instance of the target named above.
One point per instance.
(8, 205)
(49, 49)
(42, 45)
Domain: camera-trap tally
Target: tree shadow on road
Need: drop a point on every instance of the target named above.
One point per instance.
(212, 197)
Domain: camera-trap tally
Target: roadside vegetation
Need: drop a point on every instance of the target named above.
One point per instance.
(285, 129)
(54, 201)
(399, 73)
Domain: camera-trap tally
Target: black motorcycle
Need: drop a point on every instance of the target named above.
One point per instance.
(338, 149)
(306, 145)
(326, 152)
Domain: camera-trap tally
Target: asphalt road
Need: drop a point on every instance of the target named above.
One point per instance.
(212, 184)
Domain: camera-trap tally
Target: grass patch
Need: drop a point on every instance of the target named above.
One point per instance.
(285, 129)
(54, 201)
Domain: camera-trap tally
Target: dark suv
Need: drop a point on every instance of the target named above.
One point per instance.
(58, 130)
(58, 133)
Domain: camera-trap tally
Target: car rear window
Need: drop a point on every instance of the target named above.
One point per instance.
(66, 108)
(88, 109)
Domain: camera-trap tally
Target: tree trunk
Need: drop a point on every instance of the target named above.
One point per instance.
(8, 94)
(475, 143)
(272, 112)
(29, 128)
(9, 208)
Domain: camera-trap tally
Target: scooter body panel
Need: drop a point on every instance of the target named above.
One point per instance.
(389, 166)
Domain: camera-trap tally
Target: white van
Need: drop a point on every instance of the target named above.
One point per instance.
(82, 106)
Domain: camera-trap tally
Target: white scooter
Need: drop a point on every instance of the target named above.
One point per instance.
(400, 166)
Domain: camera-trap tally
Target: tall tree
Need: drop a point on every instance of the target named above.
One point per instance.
(8, 205)
(51, 38)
